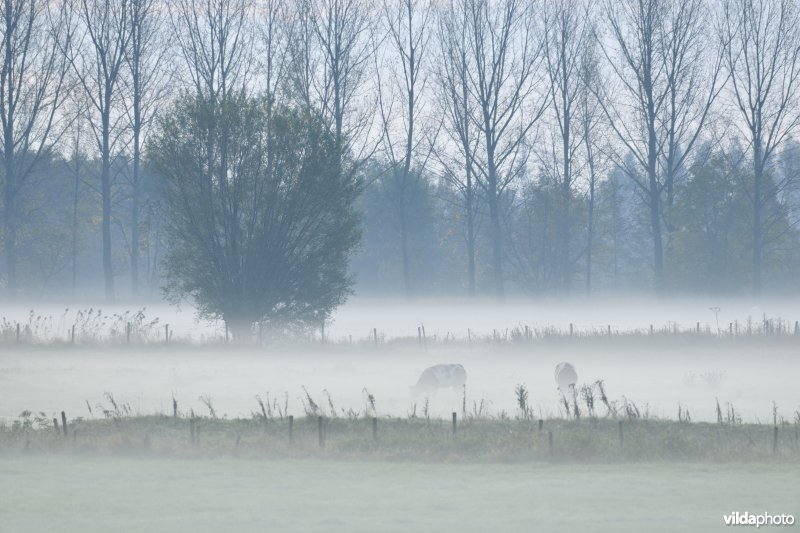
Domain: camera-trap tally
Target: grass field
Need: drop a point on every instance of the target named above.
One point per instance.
(477, 439)
(74, 494)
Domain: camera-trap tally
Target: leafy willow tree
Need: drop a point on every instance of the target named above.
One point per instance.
(255, 237)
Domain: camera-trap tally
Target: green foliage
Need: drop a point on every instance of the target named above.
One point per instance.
(712, 239)
(261, 217)
(709, 245)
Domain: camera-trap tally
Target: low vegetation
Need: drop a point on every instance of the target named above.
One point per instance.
(591, 428)
(93, 328)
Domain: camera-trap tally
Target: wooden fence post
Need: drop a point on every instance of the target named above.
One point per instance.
(375, 428)
(455, 423)
(291, 428)
(375, 335)
(321, 432)
(64, 423)
(128, 333)
(620, 434)
(550, 443)
(166, 333)
(775, 440)
(541, 423)
(17, 332)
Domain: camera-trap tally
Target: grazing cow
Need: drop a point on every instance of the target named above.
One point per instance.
(439, 377)
(566, 378)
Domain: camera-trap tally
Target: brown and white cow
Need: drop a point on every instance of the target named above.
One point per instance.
(566, 378)
(439, 377)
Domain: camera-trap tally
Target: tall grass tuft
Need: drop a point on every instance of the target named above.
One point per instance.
(587, 392)
(369, 403)
(521, 393)
(310, 407)
(611, 409)
(206, 400)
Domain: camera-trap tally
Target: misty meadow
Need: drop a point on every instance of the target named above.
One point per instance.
(399, 265)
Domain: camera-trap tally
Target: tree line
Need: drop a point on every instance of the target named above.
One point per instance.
(469, 146)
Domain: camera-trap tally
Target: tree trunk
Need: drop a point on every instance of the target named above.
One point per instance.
(137, 128)
(590, 232)
(11, 186)
(75, 222)
(757, 215)
(10, 228)
(470, 236)
(240, 328)
(497, 245)
(105, 178)
(658, 250)
(566, 277)
(404, 249)
(653, 187)
(566, 270)
(615, 215)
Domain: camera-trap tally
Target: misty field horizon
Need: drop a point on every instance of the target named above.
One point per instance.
(674, 366)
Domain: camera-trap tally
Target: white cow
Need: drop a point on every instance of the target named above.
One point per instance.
(439, 377)
(566, 378)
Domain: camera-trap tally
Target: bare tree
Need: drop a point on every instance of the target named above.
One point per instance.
(456, 151)
(147, 85)
(590, 123)
(505, 52)
(692, 62)
(331, 55)
(567, 35)
(32, 89)
(762, 56)
(77, 171)
(658, 52)
(98, 59)
(274, 27)
(401, 97)
(215, 39)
